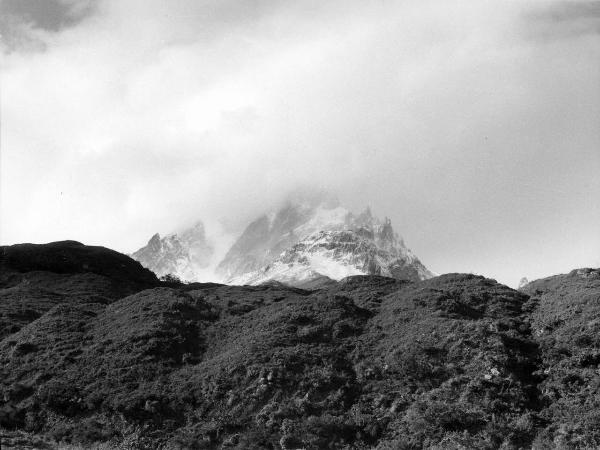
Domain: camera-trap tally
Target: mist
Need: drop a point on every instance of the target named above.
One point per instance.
(473, 125)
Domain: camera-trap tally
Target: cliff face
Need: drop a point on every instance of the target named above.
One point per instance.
(304, 242)
(268, 236)
(456, 361)
(183, 254)
(310, 238)
(338, 254)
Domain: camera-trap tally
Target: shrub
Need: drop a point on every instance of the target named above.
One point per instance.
(171, 280)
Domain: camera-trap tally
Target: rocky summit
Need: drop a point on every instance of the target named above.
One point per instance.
(96, 352)
(183, 254)
(309, 239)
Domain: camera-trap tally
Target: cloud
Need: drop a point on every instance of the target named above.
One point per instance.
(564, 19)
(51, 15)
(24, 24)
(475, 135)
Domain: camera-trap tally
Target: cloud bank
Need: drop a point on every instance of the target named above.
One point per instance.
(472, 124)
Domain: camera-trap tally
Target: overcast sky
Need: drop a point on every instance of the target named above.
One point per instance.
(474, 125)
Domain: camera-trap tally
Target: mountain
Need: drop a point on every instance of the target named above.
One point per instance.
(523, 282)
(269, 235)
(312, 239)
(95, 352)
(184, 254)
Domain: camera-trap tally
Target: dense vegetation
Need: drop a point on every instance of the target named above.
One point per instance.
(95, 350)
(565, 319)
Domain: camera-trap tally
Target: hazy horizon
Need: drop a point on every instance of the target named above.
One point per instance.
(473, 125)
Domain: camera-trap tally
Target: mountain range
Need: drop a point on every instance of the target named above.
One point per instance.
(310, 240)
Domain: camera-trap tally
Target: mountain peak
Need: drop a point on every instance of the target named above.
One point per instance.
(318, 239)
(183, 254)
(311, 236)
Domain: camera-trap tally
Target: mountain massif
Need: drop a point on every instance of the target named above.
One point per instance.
(96, 352)
(308, 241)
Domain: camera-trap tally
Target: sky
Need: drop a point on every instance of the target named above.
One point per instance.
(474, 125)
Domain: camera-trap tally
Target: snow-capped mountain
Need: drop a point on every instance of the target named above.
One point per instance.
(312, 239)
(271, 234)
(185, 254)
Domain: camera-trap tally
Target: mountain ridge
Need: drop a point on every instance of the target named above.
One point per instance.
(319, 240)
(306, 239)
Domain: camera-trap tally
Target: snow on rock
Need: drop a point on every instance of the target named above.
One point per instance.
(306, 241)
(523, 282)
(185, 254)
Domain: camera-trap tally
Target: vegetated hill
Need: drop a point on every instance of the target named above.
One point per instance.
(565, 319)
(34, 278)
(368, 362)
(70, 257)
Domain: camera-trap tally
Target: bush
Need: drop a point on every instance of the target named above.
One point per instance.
(171, 280)
(61, 397)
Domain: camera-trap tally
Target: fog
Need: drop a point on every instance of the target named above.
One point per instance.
(473, 125)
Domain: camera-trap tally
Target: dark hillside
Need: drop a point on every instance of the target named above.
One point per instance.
(71, 257)
(36, 277)
(566, 324)
(454, 362)
(367, 291)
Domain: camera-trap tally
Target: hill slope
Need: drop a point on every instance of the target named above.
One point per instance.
(456, 361)
(34, 278)
(565, 319)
